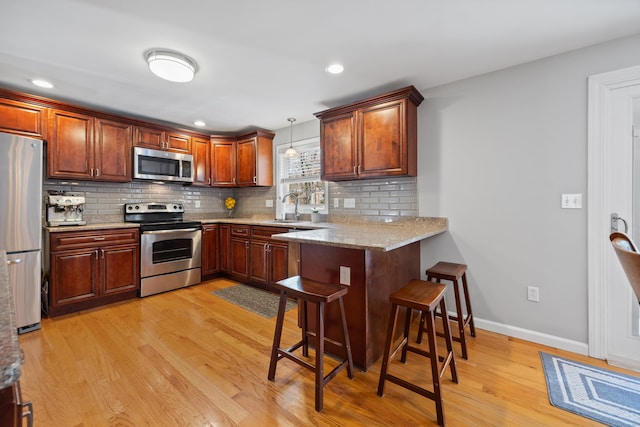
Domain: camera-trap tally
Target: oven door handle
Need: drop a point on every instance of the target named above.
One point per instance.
(177, 230)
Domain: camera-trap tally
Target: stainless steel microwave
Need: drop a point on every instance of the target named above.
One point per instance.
(160, 165)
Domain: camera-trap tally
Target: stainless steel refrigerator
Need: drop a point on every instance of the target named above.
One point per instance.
(21, 223)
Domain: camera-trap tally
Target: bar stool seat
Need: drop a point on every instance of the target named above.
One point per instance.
(426, 297)
(456, 273)
(320, 294)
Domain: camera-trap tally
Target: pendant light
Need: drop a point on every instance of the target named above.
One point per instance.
(291, 152)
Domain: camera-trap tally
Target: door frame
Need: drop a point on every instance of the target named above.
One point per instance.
(598, 199)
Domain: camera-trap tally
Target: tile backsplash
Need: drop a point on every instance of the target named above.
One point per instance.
(387, 198)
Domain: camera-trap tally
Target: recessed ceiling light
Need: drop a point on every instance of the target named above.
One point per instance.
(199, 123)
(172, 66)
(335, 69)
(42, 83)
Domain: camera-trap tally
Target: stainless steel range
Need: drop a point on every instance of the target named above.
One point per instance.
(170, 253)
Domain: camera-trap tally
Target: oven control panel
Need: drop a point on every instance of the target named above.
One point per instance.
(153, 207)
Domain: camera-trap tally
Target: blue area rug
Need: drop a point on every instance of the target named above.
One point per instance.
(600, 394)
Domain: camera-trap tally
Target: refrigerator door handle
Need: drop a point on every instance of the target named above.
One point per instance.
(14, 261)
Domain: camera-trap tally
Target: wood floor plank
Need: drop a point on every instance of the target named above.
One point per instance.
(190, 358)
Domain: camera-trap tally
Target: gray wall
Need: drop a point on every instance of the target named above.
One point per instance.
(496, 152)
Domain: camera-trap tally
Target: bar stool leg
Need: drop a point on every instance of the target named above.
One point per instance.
(393, 319)
(319, 356)
(347, 342)
(460, 318)
(435, 371)
(467, 301)
(407, 326)
(446, 326)
(277, 336)
(305, 330)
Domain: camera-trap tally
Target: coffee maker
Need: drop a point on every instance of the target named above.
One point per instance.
(64, 210)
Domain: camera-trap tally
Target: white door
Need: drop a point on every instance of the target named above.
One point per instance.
(613, 310)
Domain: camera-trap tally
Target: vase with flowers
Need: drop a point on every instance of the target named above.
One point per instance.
(315, 214)
(230, 203)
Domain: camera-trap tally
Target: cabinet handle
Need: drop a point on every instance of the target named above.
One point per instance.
(255, 179)
(99, 238)
(97, 172)
(246, 244)
(91, 172)
(209, 181)
(354, 170)
(234, 180)
(102, 253)
(359, 169)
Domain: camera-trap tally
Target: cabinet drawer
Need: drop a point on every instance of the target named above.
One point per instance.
(87, 239)
(265, 233)
(240, 230)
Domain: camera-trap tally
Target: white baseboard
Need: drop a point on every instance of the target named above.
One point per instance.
(533, 336)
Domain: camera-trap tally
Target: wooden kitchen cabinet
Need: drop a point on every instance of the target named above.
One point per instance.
(210, 249)
(88, 148)
(22, 118)
(269, 258)
(373, 138)
(201, 151)
(224, 238)
(92, 268)
(161, 139)
(239, 254)
(245, 161)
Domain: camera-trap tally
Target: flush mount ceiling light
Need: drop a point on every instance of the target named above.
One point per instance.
(199, 123)
(42, 83)
(172, 66)
(291, 152)
(335, 69)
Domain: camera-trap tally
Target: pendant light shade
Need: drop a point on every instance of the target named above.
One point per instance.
(291, 152)
(171, 66)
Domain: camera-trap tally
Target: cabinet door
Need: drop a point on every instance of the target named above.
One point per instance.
(279, 261)
(70, 146)
(179, 143)
(259, 261)
(73, 276)
(23, 119)
(210, 258)
(239, 258)
(120, 269)
(382, 142)
(149, 138)
(246, 162)
(201, 162)
(112, 153)
(223, 163)
(339, 147)
(224, 239)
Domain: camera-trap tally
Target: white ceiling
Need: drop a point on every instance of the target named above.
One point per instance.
(263, 61)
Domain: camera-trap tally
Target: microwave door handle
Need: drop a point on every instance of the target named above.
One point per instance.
(178, 230)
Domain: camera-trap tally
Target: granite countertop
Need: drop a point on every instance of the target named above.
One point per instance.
(370, 235)
(10, 356)
(89, 227)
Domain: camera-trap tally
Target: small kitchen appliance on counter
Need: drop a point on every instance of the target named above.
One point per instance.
(64, 210)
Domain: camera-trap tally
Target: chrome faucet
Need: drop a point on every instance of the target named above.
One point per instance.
(295, 198)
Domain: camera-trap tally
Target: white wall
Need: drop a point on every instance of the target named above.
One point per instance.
(495, 153)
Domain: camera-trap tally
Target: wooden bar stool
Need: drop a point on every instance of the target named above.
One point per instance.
(320, 294)
(454, 273)
(426, 297)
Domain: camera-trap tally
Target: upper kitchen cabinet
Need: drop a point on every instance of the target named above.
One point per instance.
(245, 161)
(88, 148)
(200, 149)
(23, 119)
(159, 139)
(373, 138)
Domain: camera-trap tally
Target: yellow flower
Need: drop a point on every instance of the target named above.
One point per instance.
(230, 202)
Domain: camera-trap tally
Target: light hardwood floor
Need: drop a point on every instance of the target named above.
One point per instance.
(189, 358)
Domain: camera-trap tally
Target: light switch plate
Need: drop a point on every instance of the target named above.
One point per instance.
(336, 203)
(572, 201)
(197, 203)
(268, 203)
(345, 275)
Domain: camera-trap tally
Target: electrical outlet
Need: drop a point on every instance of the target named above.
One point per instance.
(197, 203)
(350, 203)
(345, 275)
(268, 203)
(533, 293)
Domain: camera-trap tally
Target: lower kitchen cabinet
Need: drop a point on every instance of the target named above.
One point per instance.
(239, 252)
(92, 268)
(269, 258)
(210, 249)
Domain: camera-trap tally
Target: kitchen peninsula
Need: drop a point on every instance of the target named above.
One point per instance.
(376, 259)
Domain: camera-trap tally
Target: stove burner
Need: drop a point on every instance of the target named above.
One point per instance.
(155, 216)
